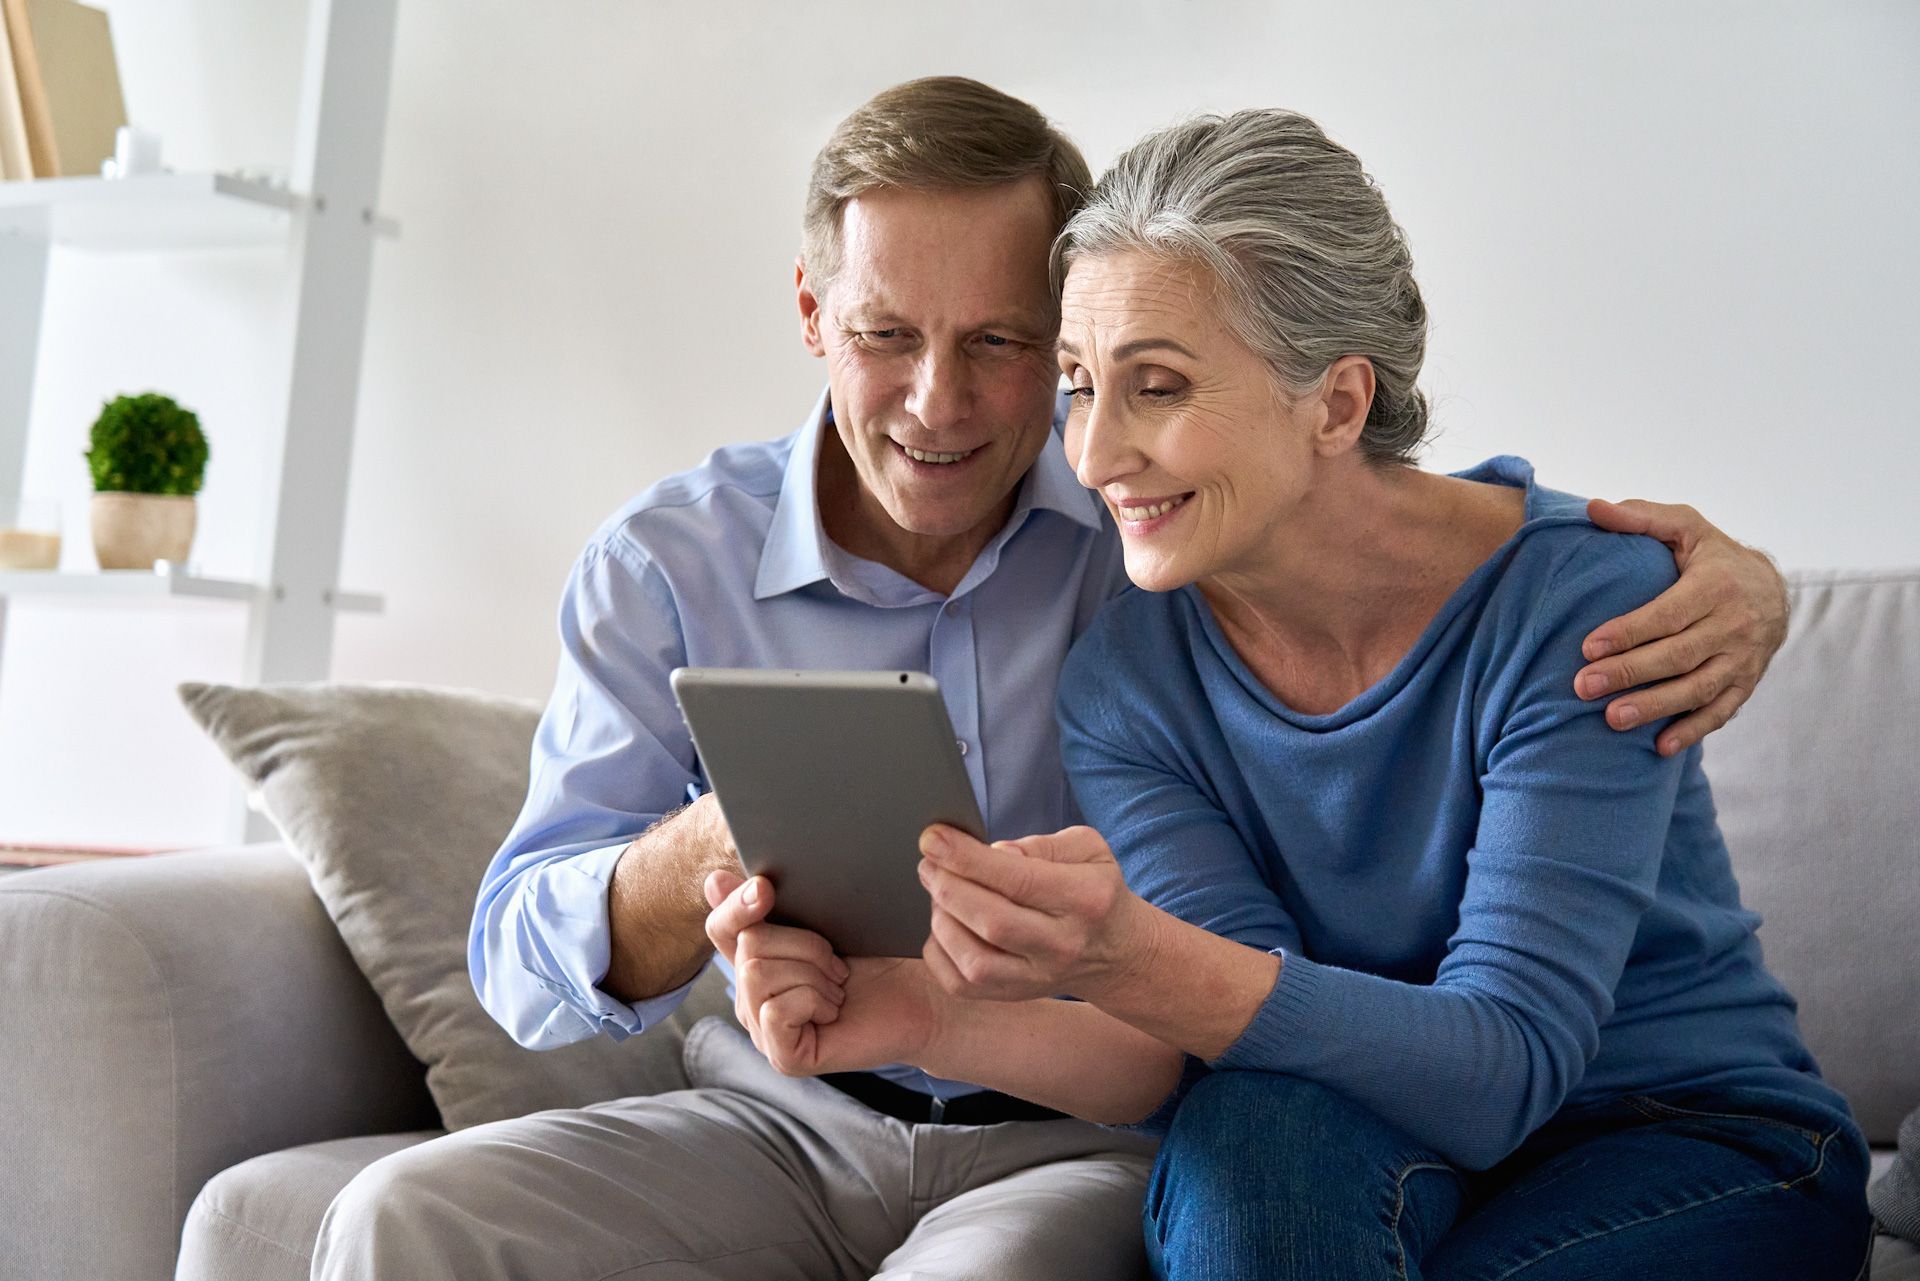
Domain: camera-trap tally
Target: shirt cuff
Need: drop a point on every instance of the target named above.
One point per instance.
(1281, 1028)
(569, 898)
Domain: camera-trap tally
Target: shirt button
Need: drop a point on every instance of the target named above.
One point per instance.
(961, 743)
(953, 608)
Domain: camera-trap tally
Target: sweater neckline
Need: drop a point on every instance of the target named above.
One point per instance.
(1544, 509)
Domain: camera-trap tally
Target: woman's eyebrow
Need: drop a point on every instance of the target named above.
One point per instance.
(1128, 350)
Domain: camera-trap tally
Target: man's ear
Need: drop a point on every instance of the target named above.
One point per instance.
(809, 309)
(1345, 396)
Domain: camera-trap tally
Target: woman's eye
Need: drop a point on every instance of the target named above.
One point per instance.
(1080, 393)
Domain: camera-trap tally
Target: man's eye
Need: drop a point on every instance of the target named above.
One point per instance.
(883, 334)
(995, 340)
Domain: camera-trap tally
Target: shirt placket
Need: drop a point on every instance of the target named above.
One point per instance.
(952, 660)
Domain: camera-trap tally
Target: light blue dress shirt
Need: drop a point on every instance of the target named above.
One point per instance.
(728, 565)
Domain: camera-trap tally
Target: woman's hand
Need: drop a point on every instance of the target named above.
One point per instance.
(1706, 640)
(808, 1010)
(1038, 917)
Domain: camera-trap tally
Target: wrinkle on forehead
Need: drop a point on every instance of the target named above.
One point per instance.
(1134, 294)
(967, 259)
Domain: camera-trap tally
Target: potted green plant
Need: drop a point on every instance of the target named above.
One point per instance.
(148, 458)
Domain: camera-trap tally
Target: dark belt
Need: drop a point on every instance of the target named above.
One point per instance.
(988, 1107)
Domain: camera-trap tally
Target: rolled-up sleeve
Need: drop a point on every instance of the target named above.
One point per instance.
(611, 757)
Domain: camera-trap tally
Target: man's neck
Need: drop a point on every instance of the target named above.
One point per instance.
(860, 526)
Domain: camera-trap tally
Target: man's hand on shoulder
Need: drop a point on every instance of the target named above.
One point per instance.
(1698, 649)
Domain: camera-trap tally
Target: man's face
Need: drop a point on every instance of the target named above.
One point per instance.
(938, 332)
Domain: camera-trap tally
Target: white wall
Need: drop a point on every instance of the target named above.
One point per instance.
(1668, 248)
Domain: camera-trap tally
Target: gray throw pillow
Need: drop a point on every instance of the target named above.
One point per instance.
(1895, 1195)
(395, 797)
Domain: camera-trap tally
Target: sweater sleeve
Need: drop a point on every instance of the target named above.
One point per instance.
(1175, 844)
(1566, 855)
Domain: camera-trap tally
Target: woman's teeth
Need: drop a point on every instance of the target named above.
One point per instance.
(922, 456)
(1150, 513)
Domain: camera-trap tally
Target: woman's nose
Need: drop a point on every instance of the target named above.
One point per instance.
(1101, 453)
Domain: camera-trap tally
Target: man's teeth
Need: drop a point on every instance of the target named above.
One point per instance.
(1149, 513)
(922, 456)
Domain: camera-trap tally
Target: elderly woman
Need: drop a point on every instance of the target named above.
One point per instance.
(1424, 970)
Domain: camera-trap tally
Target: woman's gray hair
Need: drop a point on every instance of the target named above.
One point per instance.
(1310, 262)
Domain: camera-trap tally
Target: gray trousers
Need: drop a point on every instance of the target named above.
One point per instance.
(748, 1175)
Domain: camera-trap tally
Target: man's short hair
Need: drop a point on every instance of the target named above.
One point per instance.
(939, 133)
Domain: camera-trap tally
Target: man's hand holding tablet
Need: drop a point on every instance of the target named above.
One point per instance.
(790, 989)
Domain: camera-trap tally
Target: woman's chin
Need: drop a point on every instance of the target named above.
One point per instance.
(1157, 574)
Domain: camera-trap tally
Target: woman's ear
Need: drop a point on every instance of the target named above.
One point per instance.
(1346, 396)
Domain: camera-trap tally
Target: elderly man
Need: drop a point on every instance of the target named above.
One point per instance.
(922, 517)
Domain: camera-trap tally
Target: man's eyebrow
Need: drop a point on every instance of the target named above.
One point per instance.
(1128, 350)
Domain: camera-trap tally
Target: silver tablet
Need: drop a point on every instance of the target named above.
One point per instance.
(827, 780)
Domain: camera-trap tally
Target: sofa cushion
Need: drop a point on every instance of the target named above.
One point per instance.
(259, 1220)
(1818, 788)
(395, 798)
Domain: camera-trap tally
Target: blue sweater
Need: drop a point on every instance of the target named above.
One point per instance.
(1488, 904)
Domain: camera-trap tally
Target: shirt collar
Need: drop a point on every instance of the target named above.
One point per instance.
(796, 551)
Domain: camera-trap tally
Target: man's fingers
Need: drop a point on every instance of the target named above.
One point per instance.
(1658, 661)
(1630, 517)
(1671, 612)
(1675, 524)
(1675, 697)
(1682, 734)
(763, 978)
(719, 884)
(747, 904)
(788, 942)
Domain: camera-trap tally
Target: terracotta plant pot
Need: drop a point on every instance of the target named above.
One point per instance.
(131, 531)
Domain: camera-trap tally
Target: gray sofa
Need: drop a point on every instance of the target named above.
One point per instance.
(193, 1065)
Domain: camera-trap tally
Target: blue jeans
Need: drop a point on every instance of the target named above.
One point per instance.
(1272, 1177)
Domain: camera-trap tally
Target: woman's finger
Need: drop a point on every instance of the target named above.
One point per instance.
(983, 969)
(1005, 925)
(1002, 868)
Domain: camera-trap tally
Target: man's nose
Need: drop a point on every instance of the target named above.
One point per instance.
(942, 395)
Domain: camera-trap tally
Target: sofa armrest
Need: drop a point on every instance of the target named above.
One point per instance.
(162, 1018)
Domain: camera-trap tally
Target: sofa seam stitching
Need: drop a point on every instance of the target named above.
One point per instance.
(250, 1230)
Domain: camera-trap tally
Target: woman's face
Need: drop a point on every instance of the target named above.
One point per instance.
(1175, 423)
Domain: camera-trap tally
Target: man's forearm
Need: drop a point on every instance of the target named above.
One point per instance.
(656, 910)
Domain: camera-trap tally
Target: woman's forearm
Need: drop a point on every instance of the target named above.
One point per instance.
(1066, 1055)
(1185, 986)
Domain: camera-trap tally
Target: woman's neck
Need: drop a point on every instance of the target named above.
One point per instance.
(1350, 580)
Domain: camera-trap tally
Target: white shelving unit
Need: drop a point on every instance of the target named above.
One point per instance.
(325, 223)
